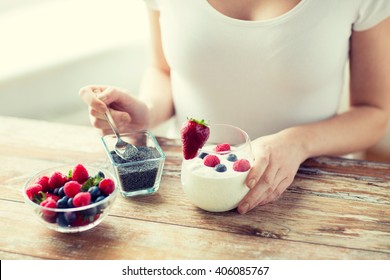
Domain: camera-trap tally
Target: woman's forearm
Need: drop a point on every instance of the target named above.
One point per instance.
(355, 130)
(155, 91)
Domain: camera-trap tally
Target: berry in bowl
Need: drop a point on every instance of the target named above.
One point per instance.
(217, 160)
(71, 198)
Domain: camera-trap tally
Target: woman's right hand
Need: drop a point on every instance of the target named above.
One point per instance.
(128, 112)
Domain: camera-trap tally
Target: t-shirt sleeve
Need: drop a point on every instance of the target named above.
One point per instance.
(153, 4)
(370, 13)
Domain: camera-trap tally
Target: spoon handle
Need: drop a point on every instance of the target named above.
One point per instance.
(111, 122)
(109, 118)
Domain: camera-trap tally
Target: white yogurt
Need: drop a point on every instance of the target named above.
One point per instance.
(211, 190)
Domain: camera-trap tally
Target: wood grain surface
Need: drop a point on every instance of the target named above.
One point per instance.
(336, 208)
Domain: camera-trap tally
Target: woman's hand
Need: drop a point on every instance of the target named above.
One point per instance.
(277, 159)
(128, 112)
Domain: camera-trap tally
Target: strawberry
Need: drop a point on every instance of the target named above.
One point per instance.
(106, 186)
(241, 165)
(72, 188)
(33, 191)
(194, 135)
(222, 148)
(82, 199)
(44, 182)
(56, 180)
(80, 173)
(211, 160)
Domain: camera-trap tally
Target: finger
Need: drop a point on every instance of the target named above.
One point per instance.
(272, 180)
(276, 194)
(101, 124)
(111, 95)
(260, 164)
(264, 187)
(248, 202)
(97, 114)
(89, 97)
(121, 119)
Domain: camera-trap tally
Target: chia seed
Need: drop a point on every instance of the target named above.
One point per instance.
(138, 174)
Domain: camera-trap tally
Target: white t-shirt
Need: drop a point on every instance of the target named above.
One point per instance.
(262, 76)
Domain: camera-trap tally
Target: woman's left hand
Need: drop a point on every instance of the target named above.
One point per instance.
(277, 159)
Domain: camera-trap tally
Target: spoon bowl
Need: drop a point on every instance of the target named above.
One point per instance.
(122, 148)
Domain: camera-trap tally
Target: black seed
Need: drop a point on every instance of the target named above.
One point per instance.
(138, 176)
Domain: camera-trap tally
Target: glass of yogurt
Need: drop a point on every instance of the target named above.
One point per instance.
(215, 179)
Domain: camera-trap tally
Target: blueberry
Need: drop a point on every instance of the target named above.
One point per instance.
(220, 167)
(90, 212)
(101, 206)
(55, 191)
(100, 198)
(95, 192)
(100, 174)
(232, 157)
(61, 220)
(70, 202)
(202, 155)
(61, 192)
(62, 202)
(70, 216)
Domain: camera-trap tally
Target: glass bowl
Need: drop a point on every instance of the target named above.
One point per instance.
(222, 190)
(75, 219)
(141, 175)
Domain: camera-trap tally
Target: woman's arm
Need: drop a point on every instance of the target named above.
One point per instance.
(366, 121)
(278, 156)
(154, 103)
(156, 84)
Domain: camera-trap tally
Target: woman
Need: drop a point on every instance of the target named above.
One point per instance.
(273, 68)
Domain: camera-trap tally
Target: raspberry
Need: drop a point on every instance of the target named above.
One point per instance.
(241, 165)
(52, 196)
(48, 203)
(44, 182)
(79, 221)
(33, 190)
(222, 148)
(82, 199)
(211, 160)
(80, 173)
(72, 188)
(56, 180)
(106, 186)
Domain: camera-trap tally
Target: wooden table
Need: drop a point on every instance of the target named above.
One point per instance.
(335, 209)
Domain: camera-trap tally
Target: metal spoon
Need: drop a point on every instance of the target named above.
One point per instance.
(122, 148)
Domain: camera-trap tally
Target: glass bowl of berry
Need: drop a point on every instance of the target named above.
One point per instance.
(217, 160)
(71, 198)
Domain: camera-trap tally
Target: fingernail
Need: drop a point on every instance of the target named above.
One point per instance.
(251, 183)
(244, 208)
(101, 96)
